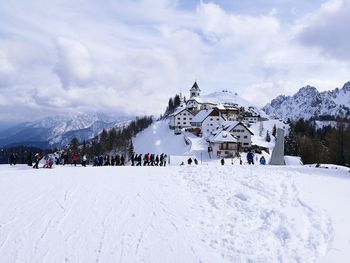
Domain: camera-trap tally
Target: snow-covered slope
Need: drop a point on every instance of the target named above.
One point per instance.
(158, 138)
(308, 102)
(204, 213)
(59, 130)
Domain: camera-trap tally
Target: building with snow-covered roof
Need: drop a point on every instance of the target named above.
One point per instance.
(223, 144)
(207, 121)
(241, 132)
(181, 118)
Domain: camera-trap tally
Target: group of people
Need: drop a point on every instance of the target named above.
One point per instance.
(114, 160)
(149, 159)
(250, 159)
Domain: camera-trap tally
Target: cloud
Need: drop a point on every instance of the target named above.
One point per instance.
(131, 56)
(74, 64)
(328, 29)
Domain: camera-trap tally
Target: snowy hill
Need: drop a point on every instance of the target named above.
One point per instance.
(205, 213)
(59, 130)
(308, 102)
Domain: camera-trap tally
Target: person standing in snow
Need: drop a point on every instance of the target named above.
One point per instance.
(152, 159)
(222, 161)
(161, 159)
(84, 160)
(250, 157)
(165, 159)
(122, 160)
(37, 159)
(74, 159)
(262, 160)
(157, 160)
(139, 160)
(11, 159)
(189, 161)
(132, 159)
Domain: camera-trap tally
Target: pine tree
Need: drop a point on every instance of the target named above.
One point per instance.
(177, 101)
(274, 130)
(131, 149)
(103, 141)
(268, 138)
(74, 145)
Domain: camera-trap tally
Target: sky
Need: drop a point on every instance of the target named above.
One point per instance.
(128, 57)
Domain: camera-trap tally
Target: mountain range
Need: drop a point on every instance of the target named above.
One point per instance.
(309, 103)
(57, 131)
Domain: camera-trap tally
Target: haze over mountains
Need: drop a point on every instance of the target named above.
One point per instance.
(308, 103)
(60, 129)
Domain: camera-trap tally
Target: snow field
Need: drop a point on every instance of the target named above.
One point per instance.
(207, 213)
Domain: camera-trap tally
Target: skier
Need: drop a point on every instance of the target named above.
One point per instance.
(250, 157)
(189, 161)
(195, 161)
(222, 161)
(157, 160)
(122, 160)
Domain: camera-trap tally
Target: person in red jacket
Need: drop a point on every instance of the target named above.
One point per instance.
(74, 159)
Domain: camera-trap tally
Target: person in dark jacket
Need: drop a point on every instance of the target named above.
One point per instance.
(122, 160)
(250, 157)
(37, 160)
(189, 161)
(157, 160)
(139, 160)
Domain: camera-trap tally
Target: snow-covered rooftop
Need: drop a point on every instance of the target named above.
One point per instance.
(223, 136)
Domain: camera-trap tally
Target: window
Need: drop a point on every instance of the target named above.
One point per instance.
(184, 123)
(211, 119)
(245, 137)
(245, 143)
(179, 123)
(233, 130)
(238, 136)
(217, 119)
(184, 114)
(242, 130)
(179, 118)
(211, 124)
(184, 118)
(190, 119)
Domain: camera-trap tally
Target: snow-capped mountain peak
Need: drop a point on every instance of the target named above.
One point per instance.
(308, 103)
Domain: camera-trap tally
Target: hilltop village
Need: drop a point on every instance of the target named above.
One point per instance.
(225, 121)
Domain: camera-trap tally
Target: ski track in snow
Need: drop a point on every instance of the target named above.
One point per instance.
(159, 214)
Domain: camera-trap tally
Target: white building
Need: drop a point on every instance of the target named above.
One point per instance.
(181, 118)
(207, 121)
(241, 132)
(223, 144)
